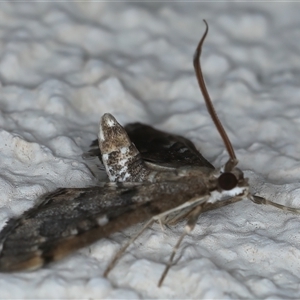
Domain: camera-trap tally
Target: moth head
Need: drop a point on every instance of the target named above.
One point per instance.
(227, 181)
(228, 185)
(230, 180)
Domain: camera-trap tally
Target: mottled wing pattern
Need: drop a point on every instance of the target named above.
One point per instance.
(69, 219)
(160, 148)
(28, 242)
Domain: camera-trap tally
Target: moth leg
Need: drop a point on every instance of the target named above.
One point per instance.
(123, 249)
(161, 225)
(207, 207)
(193, 217)
(260, 200)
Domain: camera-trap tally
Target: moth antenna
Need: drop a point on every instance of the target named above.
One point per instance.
(260, 200)
(209, 105)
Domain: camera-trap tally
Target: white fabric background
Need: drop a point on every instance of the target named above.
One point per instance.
(62, 65)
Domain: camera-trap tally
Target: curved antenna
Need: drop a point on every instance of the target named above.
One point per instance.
(210, 108)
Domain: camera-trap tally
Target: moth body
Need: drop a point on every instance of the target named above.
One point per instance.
(69, 219)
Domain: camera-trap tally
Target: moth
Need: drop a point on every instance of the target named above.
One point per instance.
(153, 176)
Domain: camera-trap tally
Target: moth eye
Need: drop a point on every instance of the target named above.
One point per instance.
(227, 181)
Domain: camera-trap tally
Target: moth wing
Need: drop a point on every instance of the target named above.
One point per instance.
(69, 219)
(160, 148)
(59, 216)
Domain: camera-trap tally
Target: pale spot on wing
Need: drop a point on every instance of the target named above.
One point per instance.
(182, 150)
(74, 231)
(102, 221)
(124, 161)
(101, 134)
(124, 150)
(110, 122)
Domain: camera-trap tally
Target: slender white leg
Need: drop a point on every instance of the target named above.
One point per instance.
(123, 249)
(188, 228)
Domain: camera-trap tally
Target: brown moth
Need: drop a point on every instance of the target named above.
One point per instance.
(154, 176)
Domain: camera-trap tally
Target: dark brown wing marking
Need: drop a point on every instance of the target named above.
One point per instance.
(160, 147)
(69, 219)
